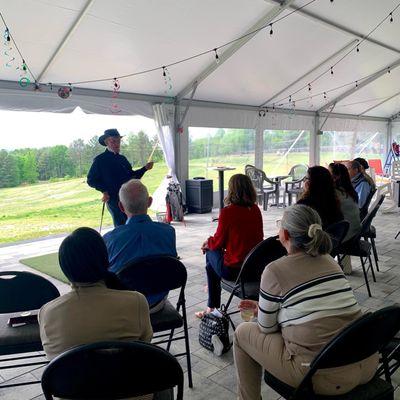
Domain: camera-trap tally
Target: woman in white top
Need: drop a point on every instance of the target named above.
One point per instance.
(305, 300)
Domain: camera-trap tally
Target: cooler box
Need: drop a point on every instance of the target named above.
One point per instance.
(199, 195)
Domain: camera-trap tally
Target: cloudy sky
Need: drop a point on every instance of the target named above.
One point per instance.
(30, 129)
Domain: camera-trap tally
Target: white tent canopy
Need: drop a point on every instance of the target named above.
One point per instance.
(79, 40)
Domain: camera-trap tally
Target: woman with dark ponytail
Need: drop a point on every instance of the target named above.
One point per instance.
(305, 300)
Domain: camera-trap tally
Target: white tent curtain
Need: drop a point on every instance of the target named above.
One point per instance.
(164, 120)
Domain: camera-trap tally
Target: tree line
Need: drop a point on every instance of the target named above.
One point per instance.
(28, 166)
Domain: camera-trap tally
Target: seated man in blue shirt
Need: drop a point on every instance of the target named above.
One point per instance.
(140, 236)
(360, 183)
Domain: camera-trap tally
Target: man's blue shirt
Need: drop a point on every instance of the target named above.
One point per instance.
(362, 187)
(140, 237)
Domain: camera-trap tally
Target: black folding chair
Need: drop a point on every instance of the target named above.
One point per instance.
(337, 232)
(361, 339)
(370, 232)
(20, 292)
(247, 284)
(365, 207)
(361, 248)
(112, 370)
(157, 274)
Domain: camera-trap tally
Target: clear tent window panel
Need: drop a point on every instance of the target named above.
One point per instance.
(338, 146)
(216, 147)
(283, 149)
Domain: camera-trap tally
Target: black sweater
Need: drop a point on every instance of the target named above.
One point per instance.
(110, 171)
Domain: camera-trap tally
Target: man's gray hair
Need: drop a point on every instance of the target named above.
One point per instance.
(134, 197)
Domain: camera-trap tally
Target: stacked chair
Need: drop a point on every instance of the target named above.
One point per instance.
(294, 187)
(263, 185)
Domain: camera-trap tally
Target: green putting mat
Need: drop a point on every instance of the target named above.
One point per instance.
(48, 264)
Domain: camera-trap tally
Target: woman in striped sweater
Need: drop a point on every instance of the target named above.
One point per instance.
(305, 300)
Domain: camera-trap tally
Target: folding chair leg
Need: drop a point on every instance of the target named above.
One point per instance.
(171, 335)
(365, 277)
(375, 253)
(265, 201)
(187, 347)
(371, 267)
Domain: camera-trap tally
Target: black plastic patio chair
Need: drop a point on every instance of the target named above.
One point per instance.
(247, 284)
(21, 292)
(361, 339)
(294, 186)
(112, 370)
(157, 274)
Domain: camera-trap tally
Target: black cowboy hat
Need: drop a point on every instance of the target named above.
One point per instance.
(108, 133)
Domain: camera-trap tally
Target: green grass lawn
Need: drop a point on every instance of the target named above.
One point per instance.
(47, 264)
(43, 209)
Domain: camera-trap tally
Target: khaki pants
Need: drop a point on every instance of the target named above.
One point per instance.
(255, 351)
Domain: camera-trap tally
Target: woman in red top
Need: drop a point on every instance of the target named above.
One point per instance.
(240, 228)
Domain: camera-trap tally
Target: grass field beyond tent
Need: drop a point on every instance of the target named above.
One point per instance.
(29, 212)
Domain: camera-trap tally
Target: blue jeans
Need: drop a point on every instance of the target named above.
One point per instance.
(119, 218)
(216, 270)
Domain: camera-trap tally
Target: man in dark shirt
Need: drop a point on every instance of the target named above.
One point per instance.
(110, 170)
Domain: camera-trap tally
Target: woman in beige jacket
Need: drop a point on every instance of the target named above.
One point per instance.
(90, 312)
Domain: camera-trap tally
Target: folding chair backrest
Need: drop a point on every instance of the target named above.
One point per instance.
(259, 257)
(151, 275)
(24, 291)
(338, 232)
(359, 340)
(112, 370)
(366, 222)
(364, 209)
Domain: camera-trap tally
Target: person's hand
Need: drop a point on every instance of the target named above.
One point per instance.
(149, 165)
(204, 247)
(248, 305)
(105, 197)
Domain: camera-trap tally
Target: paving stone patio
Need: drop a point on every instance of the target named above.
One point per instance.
(215, 376)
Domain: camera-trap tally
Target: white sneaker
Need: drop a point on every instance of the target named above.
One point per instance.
(218, 346)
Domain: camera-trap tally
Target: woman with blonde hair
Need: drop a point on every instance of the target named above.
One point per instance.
(305, 300)
(240, 228)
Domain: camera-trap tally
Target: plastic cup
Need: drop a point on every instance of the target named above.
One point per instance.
(247, 314)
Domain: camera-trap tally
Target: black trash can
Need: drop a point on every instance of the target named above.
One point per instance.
(199, 195)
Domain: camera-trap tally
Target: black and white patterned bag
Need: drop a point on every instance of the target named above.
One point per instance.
(215, 324)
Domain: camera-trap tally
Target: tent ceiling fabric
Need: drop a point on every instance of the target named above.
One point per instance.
(122, 36)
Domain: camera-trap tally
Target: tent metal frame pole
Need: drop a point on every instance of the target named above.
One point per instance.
(379, 104)
(338, 27)
(314, 156)
(389, 136)
(333, 56)
(259, 147)
(364, 83)
(64, 40)
(234, 47)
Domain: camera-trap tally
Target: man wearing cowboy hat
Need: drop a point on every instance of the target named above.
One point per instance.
(110, 170)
